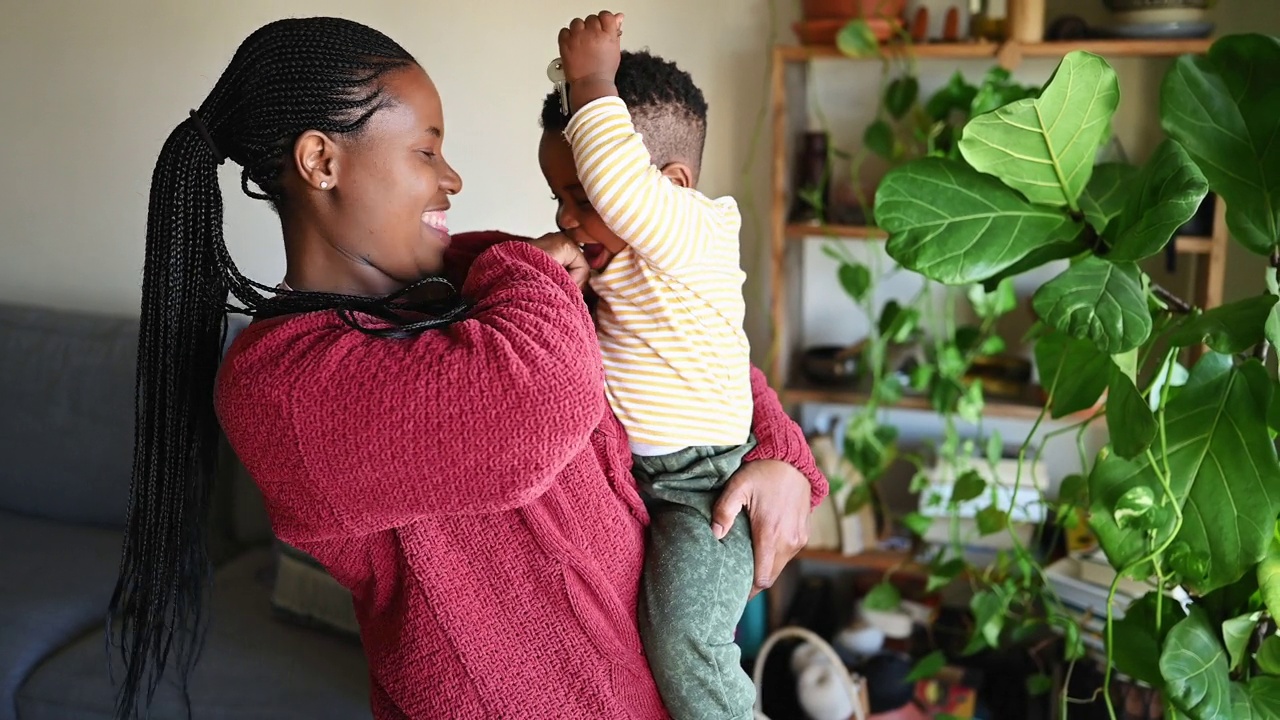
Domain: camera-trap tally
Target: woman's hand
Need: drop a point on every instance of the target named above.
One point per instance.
(565, 252)
(776, 498)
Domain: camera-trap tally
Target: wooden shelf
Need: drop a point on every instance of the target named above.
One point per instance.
(982, 49)
(874, 560)
(1189, 245)
(799, 391)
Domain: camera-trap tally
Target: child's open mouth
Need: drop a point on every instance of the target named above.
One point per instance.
(597, 255)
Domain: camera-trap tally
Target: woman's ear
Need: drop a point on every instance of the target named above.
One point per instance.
(680, 174)
(315, 157)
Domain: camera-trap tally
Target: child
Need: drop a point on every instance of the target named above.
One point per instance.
(623, 167)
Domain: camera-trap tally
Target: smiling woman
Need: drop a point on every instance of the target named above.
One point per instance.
(453, 463)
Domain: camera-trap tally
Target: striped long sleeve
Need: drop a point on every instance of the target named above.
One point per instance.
(677, 362)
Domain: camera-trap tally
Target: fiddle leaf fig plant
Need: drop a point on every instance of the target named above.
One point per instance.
(1186, 494)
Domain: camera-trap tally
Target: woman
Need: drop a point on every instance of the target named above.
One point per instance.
(450, 461)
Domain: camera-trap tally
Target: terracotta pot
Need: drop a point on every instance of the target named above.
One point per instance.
(823, 32)
(849, 9)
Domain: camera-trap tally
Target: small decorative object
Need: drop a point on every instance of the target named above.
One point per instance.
(937, 20)
(809, 203)
(1026, 20)
(831, 365)
(988, 19)
(1152, 19)
(848, 701)
(1004, 375)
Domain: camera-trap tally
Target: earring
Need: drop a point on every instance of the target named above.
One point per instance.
(324, 184)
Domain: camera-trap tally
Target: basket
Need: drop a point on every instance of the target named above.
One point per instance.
(854, 685)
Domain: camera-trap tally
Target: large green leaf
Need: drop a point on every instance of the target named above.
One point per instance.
(1045, 147)
(1131, 423)
(1264, 697)
(1073, 371)
(1098, 300)
(1104, 197)
(1194, 666)
(957, 226)
(1137, 639)
(1224, 476)
(1269, 577)
(1166, 194)
(1224, 108)
(1230, 328)
(1236, 633)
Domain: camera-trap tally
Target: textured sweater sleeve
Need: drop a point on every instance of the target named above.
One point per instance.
(477, 417)
(662, 222)
(780, 438)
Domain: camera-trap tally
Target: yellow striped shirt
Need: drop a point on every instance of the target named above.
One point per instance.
(676, 360)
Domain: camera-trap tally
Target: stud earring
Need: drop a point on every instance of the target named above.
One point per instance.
(324, 184)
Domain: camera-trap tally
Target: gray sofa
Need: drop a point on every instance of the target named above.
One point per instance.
(66, 439)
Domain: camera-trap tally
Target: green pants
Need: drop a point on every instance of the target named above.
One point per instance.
(695, 588)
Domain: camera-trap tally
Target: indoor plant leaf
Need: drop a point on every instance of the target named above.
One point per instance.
(901, 95)
(1235, 635)
(1269, 656)
(1225, 112)
(928, 666)
(1073, 371)
(1136, 641)
(1129, 419)
(1264, 697)
(998, 89)
(1224, 476)
(1045, 147)
(858, 40)
(1165, 195)
(1194, 666)
(1231, 328)
(855, 278)
(884, 597)
(968, 486)
(1098, 300)
(955, 96)
(1269, 577)
(878, 138)
(957, 226)
(1104, 197)
(991, 520)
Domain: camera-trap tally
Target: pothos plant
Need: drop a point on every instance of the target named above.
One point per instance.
(1186, 493)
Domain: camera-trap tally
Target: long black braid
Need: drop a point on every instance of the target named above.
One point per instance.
(288, 77)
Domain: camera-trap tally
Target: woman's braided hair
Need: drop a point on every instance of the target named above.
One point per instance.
(288, 77)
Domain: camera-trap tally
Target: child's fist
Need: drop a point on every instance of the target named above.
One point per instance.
(567, 254)
(590, 48)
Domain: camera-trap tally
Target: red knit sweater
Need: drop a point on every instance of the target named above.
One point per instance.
(471, 488)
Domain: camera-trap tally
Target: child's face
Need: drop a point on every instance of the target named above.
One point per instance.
(575, 217)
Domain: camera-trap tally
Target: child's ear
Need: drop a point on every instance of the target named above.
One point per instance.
(679, 173)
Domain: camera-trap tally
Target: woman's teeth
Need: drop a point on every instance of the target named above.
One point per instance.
(437, 220)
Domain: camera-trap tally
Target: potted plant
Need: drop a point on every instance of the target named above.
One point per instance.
(1186, 494)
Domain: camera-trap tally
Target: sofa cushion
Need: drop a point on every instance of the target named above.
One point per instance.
(252, 665)
(55, 582)
(305, 593)
(66, 429)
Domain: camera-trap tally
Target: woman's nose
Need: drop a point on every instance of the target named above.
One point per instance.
(450, 180)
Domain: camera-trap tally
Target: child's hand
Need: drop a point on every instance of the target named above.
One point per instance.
(567, 253)
(591, 50)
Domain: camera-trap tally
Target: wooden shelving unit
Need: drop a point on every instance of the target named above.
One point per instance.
(1008, 53)
(786, 239)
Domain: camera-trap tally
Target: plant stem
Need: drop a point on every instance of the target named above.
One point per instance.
(1174, 302)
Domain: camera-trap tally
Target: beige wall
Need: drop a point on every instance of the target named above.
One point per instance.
(92, 88)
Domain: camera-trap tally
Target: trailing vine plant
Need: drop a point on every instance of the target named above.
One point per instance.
(1186, 493)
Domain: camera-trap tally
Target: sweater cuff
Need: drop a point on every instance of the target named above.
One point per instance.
(512, 261)
(788, 444)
